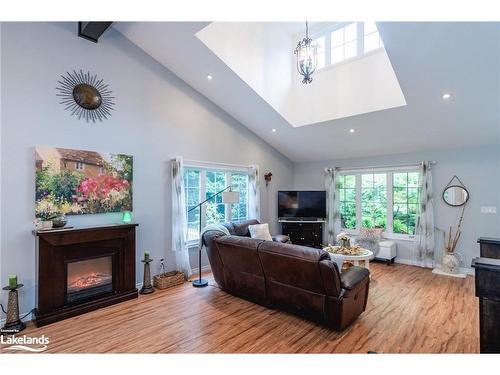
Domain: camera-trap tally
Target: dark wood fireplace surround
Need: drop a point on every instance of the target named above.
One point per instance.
(57, 248)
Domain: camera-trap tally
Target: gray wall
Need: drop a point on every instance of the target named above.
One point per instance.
(157, 116)
(479, 170)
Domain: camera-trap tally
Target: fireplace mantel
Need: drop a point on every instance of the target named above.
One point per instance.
(56, 249)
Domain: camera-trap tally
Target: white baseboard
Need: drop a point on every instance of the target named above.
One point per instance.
(203, 269)
(410, 262)
(438, 271)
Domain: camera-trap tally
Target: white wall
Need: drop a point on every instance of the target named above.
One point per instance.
(479, 170)
(157, 116)
(361, 85)
(259, 53)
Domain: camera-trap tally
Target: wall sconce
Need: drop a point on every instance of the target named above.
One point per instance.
(268, 176)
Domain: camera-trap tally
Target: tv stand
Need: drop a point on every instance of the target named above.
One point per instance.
(303, 232)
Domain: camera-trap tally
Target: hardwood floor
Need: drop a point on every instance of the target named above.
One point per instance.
(410, 310)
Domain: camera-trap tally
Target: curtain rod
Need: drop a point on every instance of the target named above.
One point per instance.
(214, 163)
(384, 166)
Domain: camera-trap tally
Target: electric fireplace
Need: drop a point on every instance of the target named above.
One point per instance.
(89, 278)
(83, 269)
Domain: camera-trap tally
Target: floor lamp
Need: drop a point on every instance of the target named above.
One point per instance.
(228, 197)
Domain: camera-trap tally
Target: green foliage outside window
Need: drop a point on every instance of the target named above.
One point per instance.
(347, 190)
(374, 211)
(405, 201)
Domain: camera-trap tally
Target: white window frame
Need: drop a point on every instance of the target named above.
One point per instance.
(388, 233)
(203, 167)
(326, 32)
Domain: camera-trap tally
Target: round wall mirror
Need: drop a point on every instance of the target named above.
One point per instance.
(87, 96)
(455, 195)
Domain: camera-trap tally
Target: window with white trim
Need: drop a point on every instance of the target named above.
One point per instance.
(79, 166)
(201, 183)
(379, 199)
(372, 39)
(345, 41)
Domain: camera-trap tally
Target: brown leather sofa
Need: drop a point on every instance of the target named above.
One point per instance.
(285, 276)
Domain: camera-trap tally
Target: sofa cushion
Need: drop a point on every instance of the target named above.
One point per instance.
(260, 231)
(243, 274)
(292, 275)
(241, 227)
(230, 228)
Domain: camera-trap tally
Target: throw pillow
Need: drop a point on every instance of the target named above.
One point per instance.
(260, 231)
(369, 238)
(371, 233)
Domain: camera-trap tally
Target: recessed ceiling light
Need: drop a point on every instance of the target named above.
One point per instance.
(209, 77)
(446, 96)
(274, 130)
(351, 130)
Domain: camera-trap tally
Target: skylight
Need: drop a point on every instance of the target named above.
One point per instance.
(361, 78)
(345, 41)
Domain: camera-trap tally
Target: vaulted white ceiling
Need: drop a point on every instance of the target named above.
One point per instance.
(260, 53)
(428, 60)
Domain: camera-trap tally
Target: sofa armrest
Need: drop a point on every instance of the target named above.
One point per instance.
(281, 238)
(353, 277)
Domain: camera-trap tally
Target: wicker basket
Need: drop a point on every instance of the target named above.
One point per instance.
(168, 280)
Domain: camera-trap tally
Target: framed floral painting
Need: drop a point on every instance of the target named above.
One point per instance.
(73, 182)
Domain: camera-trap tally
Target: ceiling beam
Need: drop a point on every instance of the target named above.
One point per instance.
(92, 30)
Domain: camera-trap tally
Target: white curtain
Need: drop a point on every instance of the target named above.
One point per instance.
(179, 220)
(253, 192)
(424, 228)
(333, 223)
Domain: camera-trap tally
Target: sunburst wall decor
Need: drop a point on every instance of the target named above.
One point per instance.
(85, 96)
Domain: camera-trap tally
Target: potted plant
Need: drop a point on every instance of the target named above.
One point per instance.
(451, 259)
(46, 211)
(343, 240)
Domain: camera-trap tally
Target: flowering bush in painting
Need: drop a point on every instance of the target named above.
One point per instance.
(81, 182)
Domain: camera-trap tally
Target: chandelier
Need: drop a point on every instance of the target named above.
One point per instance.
(307, 57)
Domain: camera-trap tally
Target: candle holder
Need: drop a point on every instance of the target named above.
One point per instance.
(13, 323)
(147, 288)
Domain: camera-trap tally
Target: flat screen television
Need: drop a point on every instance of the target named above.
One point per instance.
(302, 204)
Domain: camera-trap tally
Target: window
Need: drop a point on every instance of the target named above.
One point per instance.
(383, 199)
(201, 183)
(79, 166)
(373, 200)
(320, 42)
(239, 182)
(347, 190)
(192, 192)
(405, 199)
(344, 43)
(215, 210)
(372, 38)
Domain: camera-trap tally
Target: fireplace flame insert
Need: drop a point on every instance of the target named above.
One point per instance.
(89, 278)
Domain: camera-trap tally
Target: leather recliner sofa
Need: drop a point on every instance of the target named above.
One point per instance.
(280, 275)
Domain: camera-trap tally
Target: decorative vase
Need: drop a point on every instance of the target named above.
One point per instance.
(345, 243)
(47, 224)
(37, 224)
(59, 222)
(450, 263)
